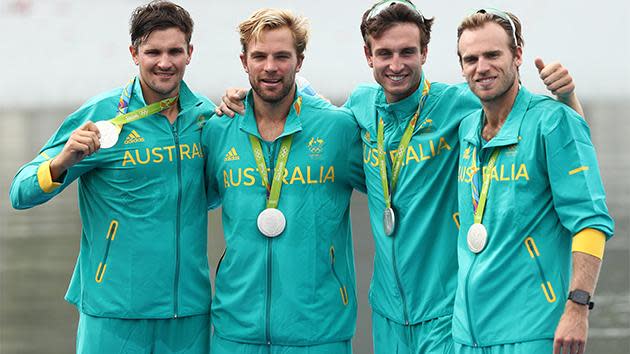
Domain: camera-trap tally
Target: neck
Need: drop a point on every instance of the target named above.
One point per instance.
(496, 112)
(150, 97)
(271, 116)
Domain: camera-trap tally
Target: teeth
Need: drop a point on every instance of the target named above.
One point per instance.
(396, 78)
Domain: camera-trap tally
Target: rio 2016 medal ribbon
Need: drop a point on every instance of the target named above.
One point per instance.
(110, 129)
(477, 236)
(389, 218)
(271, 222)
(389, 221)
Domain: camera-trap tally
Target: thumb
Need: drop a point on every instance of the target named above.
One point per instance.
(539, 64)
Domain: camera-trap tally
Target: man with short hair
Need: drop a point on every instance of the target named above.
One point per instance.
(141, 282)
(531, 204)
(283, 172)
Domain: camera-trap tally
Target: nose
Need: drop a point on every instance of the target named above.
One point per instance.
(165, 62)
(270, 65)
(396, 65)
(483, 65)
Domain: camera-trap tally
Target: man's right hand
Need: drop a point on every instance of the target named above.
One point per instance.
(232, 102)
(83, 142)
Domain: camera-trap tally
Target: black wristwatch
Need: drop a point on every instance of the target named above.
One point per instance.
(581, 297)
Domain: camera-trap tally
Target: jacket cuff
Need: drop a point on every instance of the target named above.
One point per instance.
(590, 241)
(45, 179)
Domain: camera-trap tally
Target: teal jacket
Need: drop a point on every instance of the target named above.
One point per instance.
(143, 211)
(415, 269)
(298, 288)
(545, 188)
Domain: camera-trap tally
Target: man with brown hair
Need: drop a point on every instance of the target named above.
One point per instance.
(141, 282)
(532, 205)
(283, 172)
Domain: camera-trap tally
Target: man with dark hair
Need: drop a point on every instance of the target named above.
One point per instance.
(532, 205)
(141, 282)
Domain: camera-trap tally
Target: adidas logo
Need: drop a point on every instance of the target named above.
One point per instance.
(133, 138)
(232, 155)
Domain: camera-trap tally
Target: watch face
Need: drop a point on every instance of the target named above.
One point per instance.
(580, 297)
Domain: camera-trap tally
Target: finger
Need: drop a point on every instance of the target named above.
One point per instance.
(582, 348)
(82, 150)
(88, 139)
(539, 64)
(218, 111)
(550, 69)
(90, 126)
(561, 88)
(558, 74)
(557, 346)
(225, 110)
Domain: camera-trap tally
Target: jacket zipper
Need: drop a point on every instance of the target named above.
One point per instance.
(271, 163)
(177, 221)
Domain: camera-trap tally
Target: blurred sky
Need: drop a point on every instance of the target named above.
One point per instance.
(61, 52)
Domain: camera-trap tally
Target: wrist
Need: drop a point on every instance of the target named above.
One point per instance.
(576, 309)
(56, 169)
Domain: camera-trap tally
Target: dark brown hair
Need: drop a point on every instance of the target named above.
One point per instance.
(375, 24)
(158, 15)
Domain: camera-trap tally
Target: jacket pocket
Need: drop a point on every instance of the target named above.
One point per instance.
(342, 287)
(545, 285)
(102, 266)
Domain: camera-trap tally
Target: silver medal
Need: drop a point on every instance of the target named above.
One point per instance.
(477, 237)
(271, 222)
(109, 133)
(389, 221)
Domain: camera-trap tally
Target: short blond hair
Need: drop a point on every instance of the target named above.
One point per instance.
(268, 19)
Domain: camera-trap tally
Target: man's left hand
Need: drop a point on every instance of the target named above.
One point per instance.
(572, 331)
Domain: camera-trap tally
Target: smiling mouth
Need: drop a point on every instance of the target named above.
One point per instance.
(164, 74)
(486, 80)
(396, 78)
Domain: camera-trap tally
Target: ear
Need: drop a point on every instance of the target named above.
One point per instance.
(518, 58)
(243, 57)
(190, 51)
(423, 54)
(134, 54)
(368, 56)
(300, 60)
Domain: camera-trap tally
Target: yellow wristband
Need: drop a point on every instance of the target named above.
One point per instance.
(45, 179)
(590, 241)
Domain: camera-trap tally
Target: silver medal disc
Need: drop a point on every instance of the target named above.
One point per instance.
(389, 221)
(271, 222)
(109, 133)
(477, 238)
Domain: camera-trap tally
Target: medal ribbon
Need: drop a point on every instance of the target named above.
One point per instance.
(123, 105)
(479, 201)
(402, 146)
(273, 193)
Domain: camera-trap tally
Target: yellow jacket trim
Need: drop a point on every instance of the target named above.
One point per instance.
(45, 179)
(590, 241)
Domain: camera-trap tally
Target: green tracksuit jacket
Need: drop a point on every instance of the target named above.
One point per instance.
(298, 288)
(544, 188)
(415, 270)
(143, 211)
